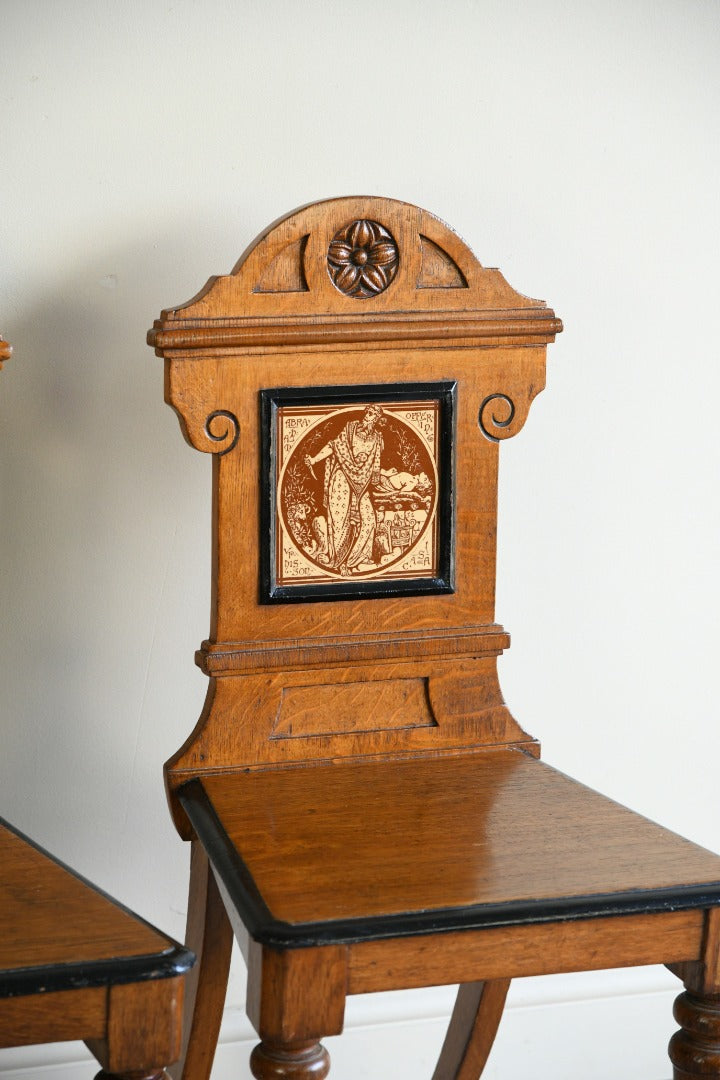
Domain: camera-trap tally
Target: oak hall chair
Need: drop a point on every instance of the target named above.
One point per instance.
(364, 811)
(76, 964)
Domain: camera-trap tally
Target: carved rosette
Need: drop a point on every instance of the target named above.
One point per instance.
(362, 259)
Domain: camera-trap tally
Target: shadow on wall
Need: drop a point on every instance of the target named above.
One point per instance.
(102, 507)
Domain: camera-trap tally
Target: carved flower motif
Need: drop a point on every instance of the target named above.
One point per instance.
(362, 259)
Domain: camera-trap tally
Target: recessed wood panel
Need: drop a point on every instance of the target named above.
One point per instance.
(351, 708)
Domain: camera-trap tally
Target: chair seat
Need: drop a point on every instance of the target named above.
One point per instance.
(75, 964)
(59, 932)
(346, 852)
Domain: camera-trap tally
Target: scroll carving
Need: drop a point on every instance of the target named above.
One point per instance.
(362, 259)
(225, 434)
(497, 413)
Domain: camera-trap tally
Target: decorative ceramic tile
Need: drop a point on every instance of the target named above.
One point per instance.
(357, 491)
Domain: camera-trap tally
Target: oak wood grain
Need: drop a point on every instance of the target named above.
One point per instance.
(293, 998)
(209, 935)
(144, 1027)
(54, 1016)
(282, 318)
(471, 1033)
(702, 974)
(75, 964)
(53, 917)
(517, 951)
(354, 840)
(244, 301)
(297, 994)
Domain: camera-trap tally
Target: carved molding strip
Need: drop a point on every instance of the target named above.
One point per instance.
(529, 326)
(229, 658)
(231, 432)
(362, 259)
(489, 416)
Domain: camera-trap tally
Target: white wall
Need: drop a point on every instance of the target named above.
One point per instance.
(575, 145)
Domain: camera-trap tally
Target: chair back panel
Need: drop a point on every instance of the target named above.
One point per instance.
(352, 379)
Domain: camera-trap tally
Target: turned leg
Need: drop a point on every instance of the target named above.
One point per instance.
(472, 1029)
(209, 935)
(302, 1061)
(695, 1049)
(162, 1075)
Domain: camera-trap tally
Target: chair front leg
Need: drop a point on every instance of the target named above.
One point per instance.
(472, 1029)
(295, 997)
(210, 936)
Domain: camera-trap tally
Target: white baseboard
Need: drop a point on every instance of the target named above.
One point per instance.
(589, 1033)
